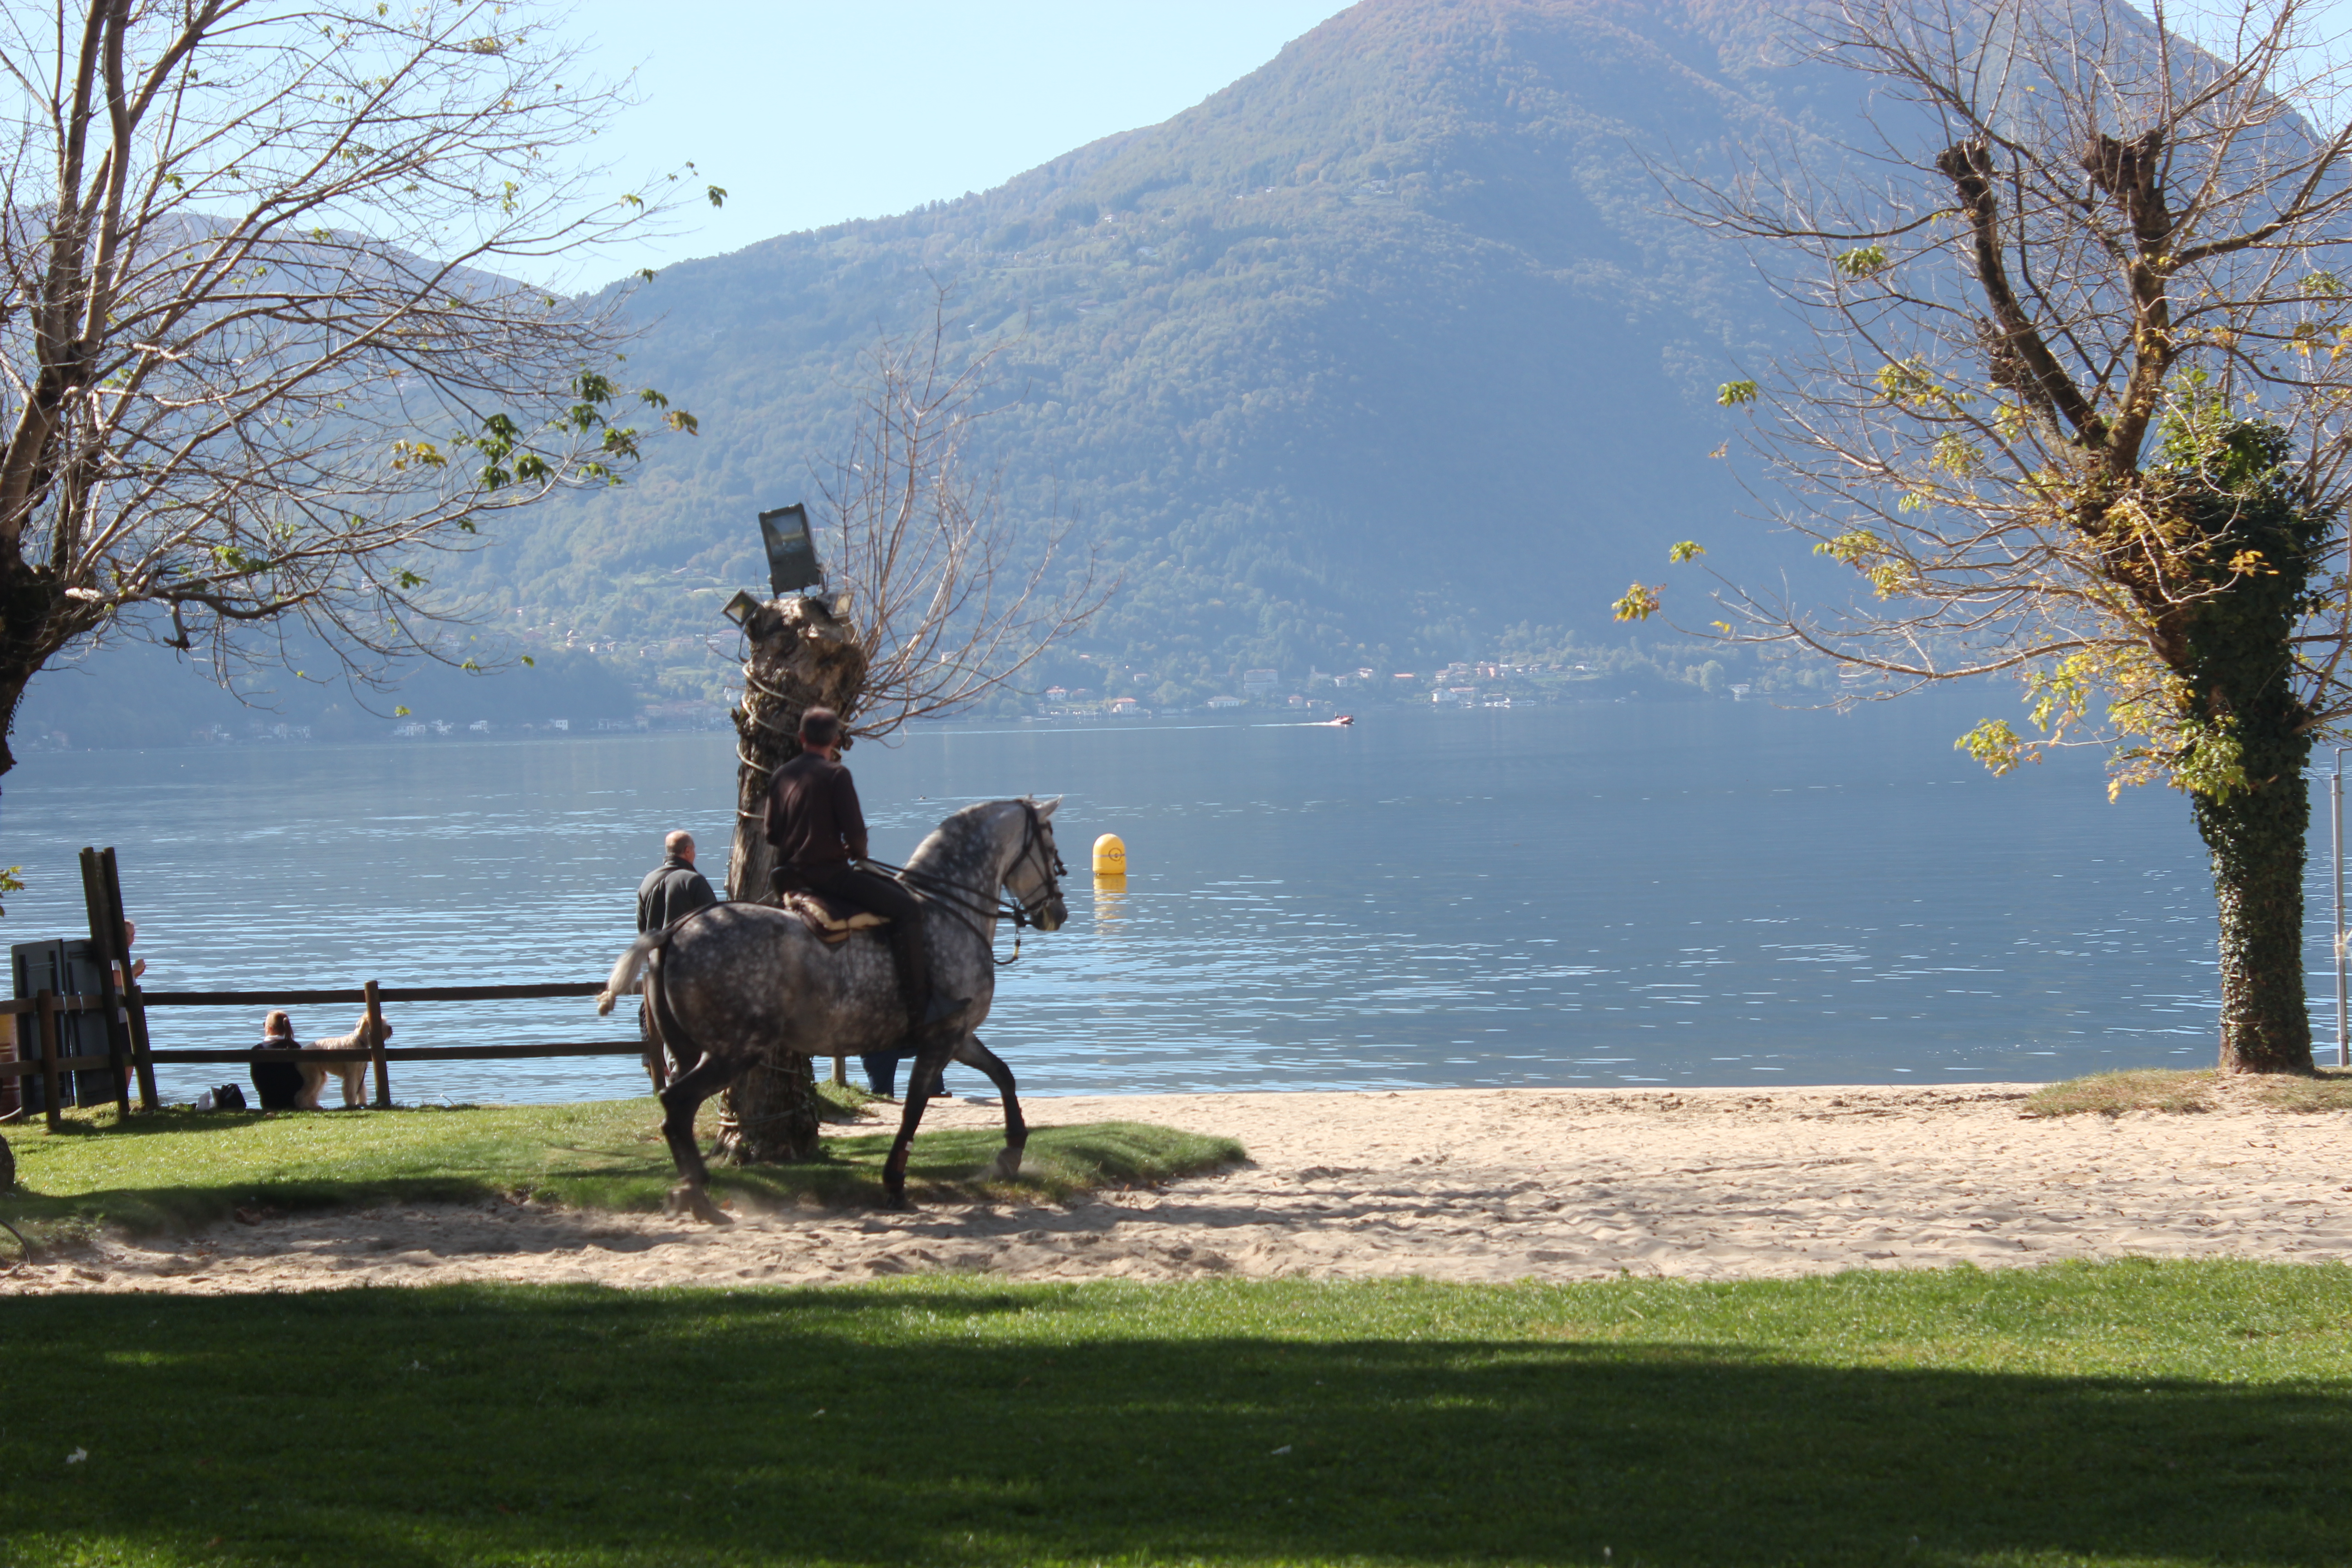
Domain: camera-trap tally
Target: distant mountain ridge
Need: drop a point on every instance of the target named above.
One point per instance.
(1386, 346)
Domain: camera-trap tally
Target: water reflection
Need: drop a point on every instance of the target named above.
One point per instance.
(1718, 894)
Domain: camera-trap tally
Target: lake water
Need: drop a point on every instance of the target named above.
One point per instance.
(1715, 893)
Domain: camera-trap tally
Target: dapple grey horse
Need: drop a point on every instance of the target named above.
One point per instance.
(732, 982)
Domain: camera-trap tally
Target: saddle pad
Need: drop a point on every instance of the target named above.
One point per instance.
(833, 921)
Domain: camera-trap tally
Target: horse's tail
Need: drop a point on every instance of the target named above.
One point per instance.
(623, 980)
(668, 1032)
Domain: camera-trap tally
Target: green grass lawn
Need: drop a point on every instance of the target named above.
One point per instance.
(176, 1169)
(2127, 1413)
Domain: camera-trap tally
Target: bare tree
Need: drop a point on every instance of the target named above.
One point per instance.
(2078, 406)
(259, 352)
(936, 597)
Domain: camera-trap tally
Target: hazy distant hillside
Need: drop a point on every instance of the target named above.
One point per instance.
(1380, 349)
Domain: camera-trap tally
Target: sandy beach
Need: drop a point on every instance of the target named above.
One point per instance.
(1470, 1184)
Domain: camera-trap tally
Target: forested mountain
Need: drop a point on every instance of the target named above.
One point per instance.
(1387, 346)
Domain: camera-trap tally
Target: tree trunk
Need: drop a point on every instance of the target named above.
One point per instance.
(2256, 836)
(2250, 733)
(35, 623)
(802, 656)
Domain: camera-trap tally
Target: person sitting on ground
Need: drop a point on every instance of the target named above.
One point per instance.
(671, 891)
(818, 829)
(276, 1083)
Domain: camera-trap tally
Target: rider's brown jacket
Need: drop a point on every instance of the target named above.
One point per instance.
(813, 816)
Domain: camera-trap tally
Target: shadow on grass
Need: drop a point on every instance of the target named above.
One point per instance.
(468, 1424)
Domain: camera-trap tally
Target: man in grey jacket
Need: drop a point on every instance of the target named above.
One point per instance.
(671, 891)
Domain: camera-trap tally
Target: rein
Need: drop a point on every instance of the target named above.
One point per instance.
(971, 908)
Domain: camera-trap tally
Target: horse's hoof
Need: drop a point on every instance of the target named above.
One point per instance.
(1008, 1165)
(897, 1202)
(685, 1199)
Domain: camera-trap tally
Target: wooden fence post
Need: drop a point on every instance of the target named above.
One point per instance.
(12, 1091)
(135, 1005)
(375, 1048)
(106, 941)
(111, 882)
(45, 1003)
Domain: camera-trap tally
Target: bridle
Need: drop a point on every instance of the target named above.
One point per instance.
(1037, 848)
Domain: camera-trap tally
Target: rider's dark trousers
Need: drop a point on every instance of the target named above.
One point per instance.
(884, 896)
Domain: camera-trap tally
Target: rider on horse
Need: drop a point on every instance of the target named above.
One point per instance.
(819, 832)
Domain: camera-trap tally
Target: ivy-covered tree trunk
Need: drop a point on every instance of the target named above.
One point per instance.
(2256, 836)
(2248, 731)
(802, 656)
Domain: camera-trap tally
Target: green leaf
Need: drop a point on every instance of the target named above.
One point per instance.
(718, 195)
(1862, 262)
(529, 662)
(399, 712)
(1994, 745)
(1733, 392)
(1685, 550)
(1639, 603)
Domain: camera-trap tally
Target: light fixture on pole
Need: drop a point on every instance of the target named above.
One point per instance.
(791, 566)
(791, 553)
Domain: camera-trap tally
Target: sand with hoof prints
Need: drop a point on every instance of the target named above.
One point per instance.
(1717, 1184)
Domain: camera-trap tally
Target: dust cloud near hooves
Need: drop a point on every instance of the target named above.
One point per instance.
(1462, 1185)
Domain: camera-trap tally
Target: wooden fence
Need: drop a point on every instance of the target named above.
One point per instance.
(135, 1057)
(128, 1054)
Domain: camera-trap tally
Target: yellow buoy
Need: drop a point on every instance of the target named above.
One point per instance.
(1110, 856)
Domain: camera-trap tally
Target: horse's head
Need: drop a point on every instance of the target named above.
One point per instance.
(1033, 878)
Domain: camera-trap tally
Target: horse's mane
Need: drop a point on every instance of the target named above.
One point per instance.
(943, 848)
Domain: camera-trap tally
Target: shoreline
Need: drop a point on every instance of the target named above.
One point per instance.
(1454, 1184)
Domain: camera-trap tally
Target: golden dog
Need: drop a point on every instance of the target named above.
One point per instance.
(353, 1074)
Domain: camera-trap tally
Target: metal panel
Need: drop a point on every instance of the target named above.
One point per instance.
(69, 969)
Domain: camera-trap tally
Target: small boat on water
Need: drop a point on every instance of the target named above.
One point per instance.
(1341, 723)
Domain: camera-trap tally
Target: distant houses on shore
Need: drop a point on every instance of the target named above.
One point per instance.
(1606, 676)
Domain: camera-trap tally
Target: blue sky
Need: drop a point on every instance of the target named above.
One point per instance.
(811, 114)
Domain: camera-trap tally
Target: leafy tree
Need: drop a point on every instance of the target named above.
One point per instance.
(2077, 408)
(258, 359)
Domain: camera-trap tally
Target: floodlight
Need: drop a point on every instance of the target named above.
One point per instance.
(791, 553)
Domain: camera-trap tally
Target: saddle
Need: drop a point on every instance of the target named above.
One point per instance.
(828, 921)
